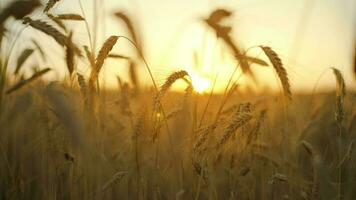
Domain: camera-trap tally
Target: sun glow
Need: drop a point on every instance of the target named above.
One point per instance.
(200, 84)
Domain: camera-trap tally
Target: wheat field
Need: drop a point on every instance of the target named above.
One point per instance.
(72, 139)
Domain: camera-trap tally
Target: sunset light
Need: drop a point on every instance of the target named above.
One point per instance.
(200, 84)
(177, 99)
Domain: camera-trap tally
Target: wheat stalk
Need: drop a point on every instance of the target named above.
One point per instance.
(47, 29)
(104, 52)
(83, 86)
(339, 117)
(133, 75)
(340, 94)
(315, 160)
(205, 132)
(59, 37)
(70, 55)
(240, 118)
(172, 78)
(223, 32)
(281, 71)
(130, 27)
(254, 133)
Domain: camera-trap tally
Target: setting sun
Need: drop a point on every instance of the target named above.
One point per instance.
(200, 84)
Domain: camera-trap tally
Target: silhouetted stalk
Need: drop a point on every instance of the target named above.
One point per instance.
(160, 104)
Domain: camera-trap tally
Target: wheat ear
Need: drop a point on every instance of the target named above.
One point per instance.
(280, 70)
(103, 54)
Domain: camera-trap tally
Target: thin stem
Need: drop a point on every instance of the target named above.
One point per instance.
(86, 26)
(208, 103)
(160, 103)
(226, 97)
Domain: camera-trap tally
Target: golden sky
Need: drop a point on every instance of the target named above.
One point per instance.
(172, 32)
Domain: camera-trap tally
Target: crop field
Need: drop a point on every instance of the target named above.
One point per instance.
(71, 137)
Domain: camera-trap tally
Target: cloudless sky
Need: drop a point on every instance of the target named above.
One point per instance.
(172, 31)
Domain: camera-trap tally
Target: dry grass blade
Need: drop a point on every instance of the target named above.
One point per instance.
(57, 21)
(281, 71)
(50, 5)
(39, 49)
(118, 56)
(256, 60)
(22, 59)
(74, 17)
(22, 83)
